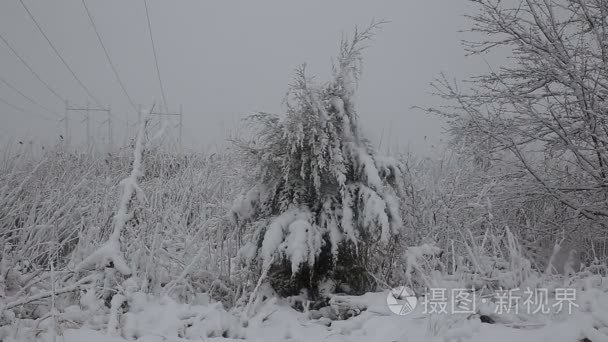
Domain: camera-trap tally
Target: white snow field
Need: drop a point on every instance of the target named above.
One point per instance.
(151, 320)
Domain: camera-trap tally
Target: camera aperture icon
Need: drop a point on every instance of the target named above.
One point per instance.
(401, 300)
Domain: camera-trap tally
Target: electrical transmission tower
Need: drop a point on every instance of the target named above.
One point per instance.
(88, 110)
(180, 125)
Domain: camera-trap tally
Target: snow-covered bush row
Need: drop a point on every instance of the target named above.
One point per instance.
(59, 209)
(453, 202)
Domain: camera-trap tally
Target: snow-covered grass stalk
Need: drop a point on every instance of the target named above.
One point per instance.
(169, 287)
(252, 297)
(115, 305)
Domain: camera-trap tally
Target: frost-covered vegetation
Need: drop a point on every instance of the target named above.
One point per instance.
(299, 232)
(323, 201)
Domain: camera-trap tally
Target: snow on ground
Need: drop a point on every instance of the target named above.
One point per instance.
(275, 320)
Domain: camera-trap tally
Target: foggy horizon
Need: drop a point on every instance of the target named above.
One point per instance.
(221, 61)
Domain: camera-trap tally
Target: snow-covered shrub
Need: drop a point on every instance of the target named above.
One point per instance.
(323, 201)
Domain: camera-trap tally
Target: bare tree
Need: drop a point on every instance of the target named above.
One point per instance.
(544, 115)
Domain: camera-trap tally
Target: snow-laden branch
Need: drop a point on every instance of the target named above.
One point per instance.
(110, 251)
(71, 288)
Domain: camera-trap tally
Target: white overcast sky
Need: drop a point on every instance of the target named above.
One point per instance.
(221, 60)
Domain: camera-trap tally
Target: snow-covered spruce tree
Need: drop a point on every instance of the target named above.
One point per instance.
(323, 202)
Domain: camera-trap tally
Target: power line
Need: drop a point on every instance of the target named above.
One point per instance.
(124, 89)
(48, 87)
(27, 97)
(58, 54)
(19, 109)
(160, 81)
